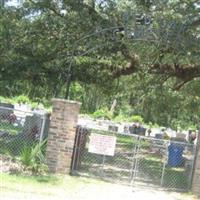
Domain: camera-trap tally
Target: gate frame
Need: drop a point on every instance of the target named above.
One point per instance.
(134, 169)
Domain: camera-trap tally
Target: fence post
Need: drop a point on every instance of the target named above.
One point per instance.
(79, 146)
(61, 135)
(196, 173)
(44, 117)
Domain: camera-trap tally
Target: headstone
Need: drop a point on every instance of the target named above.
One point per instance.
(32, 126)
(112, 128)
(5, 110)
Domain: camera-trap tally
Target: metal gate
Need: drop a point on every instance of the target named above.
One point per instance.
(137, 160)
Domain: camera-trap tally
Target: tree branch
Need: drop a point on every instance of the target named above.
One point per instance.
(50, 7)
(194, 23)
(180, 84)
(184, 73)
(176, 70)
(131, 67)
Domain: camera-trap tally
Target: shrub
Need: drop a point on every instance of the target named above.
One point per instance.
(102, 113)
(2, 99)
(26, 156)
(136, 118)
(120, 118)
(33, 159)
(22, 99)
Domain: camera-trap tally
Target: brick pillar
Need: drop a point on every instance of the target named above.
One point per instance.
(196, 174)
(61, 135)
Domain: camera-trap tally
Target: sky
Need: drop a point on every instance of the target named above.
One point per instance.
(13, 2)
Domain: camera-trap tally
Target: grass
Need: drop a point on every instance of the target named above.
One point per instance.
(129, 142)
(14, 139)
(115, 167)
(173, 178)
(150, 169)
(150, 164)
(42, 186)
(176, 178)
(9, 128)
(67, 187)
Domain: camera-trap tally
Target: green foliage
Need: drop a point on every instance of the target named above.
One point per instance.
(33, 103)
(36, 51)
(125, 118)
(33, 159)
(26, 156)
(181, 124)
(102, 113)
(14, 145)
(21, 99)
(136, 118)
(2, 99)
(151, 125)
(120, 118)
(10, 128)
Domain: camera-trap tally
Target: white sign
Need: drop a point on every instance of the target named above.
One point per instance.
(102, 144)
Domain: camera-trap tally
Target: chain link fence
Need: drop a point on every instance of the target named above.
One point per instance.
(20, 129)
(164, 163)
(137, 160)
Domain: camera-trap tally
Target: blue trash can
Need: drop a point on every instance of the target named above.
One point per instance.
(175, 155)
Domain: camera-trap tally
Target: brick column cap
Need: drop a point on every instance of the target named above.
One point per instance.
(66, 101)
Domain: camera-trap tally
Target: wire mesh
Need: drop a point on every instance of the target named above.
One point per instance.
(19, 129)
(137, 160)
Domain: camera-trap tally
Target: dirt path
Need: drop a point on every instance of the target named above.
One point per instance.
(123, 192)
(92, 191)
